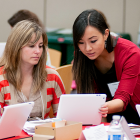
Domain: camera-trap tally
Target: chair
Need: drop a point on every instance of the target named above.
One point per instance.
(55, 57)
(65, 73)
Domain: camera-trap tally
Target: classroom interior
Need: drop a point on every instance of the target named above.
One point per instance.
(123, 17)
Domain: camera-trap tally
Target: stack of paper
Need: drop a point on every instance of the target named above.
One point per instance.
(135, 129)
(29, 126)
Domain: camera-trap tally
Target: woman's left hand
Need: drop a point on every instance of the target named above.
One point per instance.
(104, 110)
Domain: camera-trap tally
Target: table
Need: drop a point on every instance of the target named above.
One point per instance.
(24, 134)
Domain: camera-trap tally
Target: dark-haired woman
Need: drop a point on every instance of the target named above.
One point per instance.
(101, 59)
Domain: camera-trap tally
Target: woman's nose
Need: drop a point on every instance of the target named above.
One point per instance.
(37, 49)
(88, 47)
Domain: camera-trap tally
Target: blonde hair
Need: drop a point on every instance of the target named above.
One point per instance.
(21, 36)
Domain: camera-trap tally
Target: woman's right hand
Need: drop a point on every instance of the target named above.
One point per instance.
(104, 110)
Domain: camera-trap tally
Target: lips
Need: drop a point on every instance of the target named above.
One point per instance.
(35, 57)
(91, 54)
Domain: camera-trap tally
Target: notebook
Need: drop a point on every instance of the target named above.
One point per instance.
(14, 118)
(128, 133)
(81, 108)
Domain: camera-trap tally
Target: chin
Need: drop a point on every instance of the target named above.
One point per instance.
(91, 58)
(34, 63)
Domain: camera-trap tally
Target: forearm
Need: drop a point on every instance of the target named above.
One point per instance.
(115, 105)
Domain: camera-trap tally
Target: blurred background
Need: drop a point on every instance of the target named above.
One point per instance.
(123, 17)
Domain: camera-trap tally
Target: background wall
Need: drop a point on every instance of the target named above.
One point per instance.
(9, 7)
(122, 15)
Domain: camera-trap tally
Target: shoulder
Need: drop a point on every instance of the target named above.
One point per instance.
(126, 48)
(51, 71)
(124, 44)
(54, 79)
(52, 74)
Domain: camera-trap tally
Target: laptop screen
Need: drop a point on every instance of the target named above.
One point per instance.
(81, 108)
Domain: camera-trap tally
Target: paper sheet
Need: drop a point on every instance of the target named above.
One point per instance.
(95, 133)
(113, 87)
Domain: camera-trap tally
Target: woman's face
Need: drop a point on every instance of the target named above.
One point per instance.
(92, 44)
(30, 54)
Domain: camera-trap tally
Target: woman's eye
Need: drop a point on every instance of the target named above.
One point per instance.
(32, 46)
(41, 46)
(93, 41)
(81, 43)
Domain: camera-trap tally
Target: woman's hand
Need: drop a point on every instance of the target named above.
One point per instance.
(104, 110)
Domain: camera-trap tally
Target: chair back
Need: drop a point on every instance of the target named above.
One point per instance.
(55, 57)
(65, 73)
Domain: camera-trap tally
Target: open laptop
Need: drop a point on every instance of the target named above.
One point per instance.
(14, 118)
(81, 108)
(128, 133)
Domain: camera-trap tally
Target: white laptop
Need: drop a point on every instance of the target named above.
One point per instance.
(81, 108)
(14, 118)
(128, 133)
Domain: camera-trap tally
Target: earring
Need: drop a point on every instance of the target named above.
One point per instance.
(79, 50)
(105, 43)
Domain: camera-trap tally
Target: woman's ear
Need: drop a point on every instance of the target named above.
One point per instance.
(106, 34)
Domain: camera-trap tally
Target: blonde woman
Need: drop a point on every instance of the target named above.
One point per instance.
(24, 76)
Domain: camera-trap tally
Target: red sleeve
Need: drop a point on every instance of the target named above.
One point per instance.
(56, 91)
(129, 75)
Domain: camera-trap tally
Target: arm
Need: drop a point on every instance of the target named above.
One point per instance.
(129, 68)
(58, 91)
(127, 56)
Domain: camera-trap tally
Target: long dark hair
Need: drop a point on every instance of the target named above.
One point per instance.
(83, 67)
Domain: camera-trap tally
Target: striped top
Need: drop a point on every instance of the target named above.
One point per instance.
(50, 93)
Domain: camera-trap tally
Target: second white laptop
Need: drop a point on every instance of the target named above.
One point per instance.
(128, 133)
(14, 118)
(81, 108)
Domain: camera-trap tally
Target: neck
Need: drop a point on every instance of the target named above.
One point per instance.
(26, 70)
(105, 56)
(105, 61)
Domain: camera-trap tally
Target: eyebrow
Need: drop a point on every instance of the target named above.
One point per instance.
(92, 37)
(41, 43)
(89, 38)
